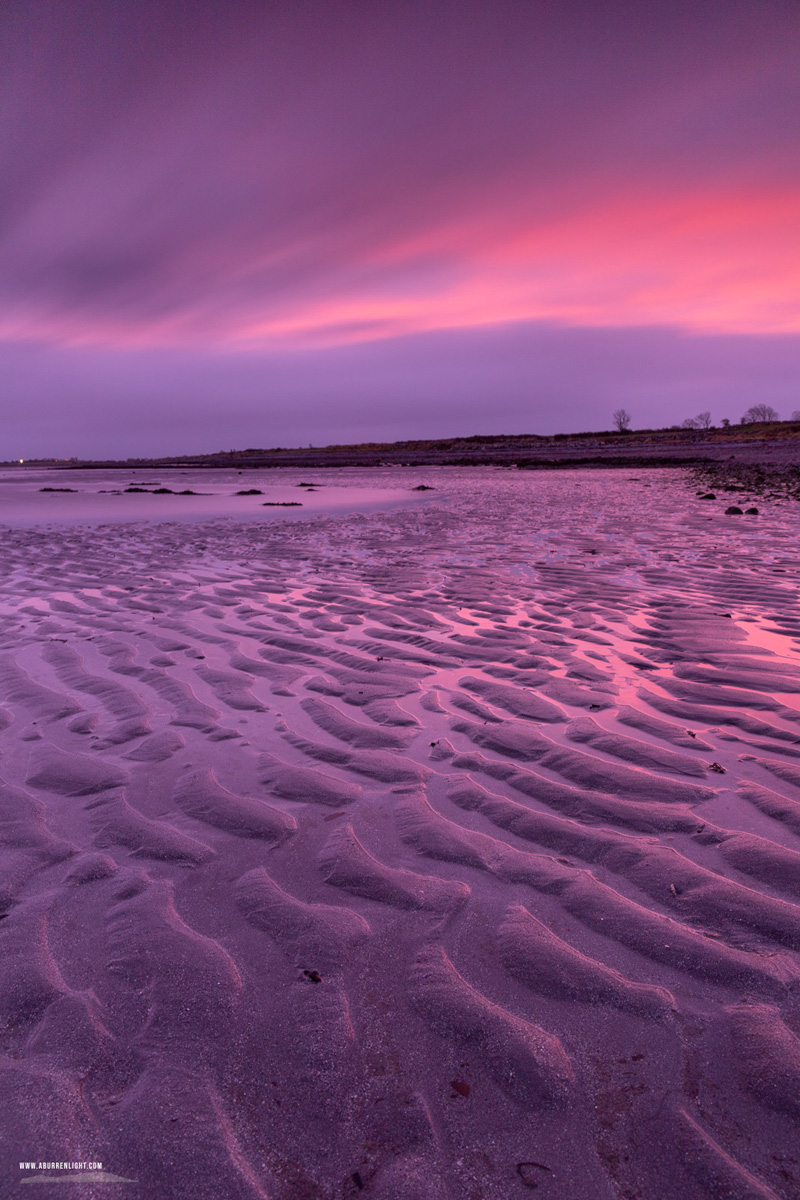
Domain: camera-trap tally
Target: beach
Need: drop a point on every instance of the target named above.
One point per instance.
(425, 833)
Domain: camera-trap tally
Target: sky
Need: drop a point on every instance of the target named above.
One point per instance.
(274, 223)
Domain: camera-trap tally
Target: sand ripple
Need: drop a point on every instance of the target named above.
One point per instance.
(436, 854)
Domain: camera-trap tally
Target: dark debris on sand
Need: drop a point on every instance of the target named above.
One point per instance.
(773, 482)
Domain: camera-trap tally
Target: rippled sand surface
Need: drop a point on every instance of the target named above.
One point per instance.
(446, 851)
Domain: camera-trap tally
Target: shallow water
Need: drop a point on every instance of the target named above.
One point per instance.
(443, 850)
(30, 496)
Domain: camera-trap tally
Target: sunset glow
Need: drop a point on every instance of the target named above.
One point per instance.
(237, 188)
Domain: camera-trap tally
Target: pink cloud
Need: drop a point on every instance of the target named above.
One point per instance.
(315, 178)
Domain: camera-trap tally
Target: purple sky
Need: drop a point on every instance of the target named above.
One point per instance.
(256, 224)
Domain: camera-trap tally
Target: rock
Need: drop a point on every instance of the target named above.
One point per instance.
(733, 510)
(708, 496)
(751, 512)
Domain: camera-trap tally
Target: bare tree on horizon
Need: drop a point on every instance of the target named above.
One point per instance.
(701, 421)
(759, 412)
(622, 419)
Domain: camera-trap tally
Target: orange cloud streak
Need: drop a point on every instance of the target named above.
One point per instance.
(719, 262)
(726, 263)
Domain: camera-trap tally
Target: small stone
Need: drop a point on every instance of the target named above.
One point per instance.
(751, 512)
(530, 1173)
(733, 510)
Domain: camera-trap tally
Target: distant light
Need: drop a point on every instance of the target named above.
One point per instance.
(21, 461)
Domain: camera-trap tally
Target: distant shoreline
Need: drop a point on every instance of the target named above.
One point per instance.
(775, 444)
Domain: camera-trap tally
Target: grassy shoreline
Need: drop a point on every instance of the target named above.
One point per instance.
(777, 442)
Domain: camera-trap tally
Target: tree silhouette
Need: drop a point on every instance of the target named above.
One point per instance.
(759, 412)
(622, 420)
(701, 421)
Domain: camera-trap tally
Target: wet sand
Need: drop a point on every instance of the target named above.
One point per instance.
(433, 851)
